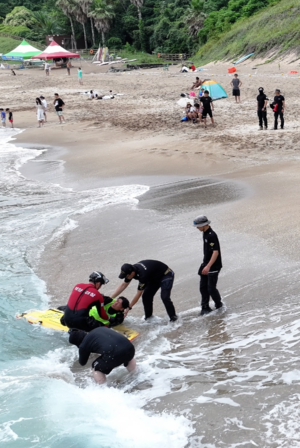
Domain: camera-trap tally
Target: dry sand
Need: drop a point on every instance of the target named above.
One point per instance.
(138, 138)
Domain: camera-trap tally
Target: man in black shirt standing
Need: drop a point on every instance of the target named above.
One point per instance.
(151, 275)
(59, 105)
(208, 106)
(262, 102)
(211, 266)
(279, 106)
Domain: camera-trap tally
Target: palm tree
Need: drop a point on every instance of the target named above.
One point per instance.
(67, 7)
(138, 4)
(103, 13)
(81, 17)
(45, 24)
(85, 6)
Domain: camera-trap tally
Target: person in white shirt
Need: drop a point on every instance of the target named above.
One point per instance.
(44, 103)
(47, 68)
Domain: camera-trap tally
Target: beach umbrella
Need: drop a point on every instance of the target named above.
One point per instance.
(22, 51)
(54, 51)
(216, 92)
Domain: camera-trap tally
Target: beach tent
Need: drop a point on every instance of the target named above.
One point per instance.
(54, 51)
(22, 51)
(216, 92)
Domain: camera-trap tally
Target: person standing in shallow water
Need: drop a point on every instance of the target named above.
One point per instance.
(210, 267)
(236, 84)
(262, 102)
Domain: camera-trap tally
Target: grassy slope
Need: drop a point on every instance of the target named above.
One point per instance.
(276, 27)
(8, 43)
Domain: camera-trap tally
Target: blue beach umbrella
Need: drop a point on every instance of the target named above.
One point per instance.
(216, 92)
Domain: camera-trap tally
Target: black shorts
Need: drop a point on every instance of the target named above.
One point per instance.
(206, 112)
(109, 361)
(236, 92)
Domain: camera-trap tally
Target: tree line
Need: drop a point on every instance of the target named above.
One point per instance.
(161, 26)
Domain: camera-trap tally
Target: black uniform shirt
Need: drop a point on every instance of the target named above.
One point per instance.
(148, 271)
(103, 340)
(261, 100)
(278, 99)
(206, 101)
(211, 243)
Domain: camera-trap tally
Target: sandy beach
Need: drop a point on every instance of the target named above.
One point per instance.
(246, 181)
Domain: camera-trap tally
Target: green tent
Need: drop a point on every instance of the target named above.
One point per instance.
(22, 51)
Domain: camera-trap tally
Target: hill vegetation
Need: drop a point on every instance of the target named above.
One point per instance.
(220, 28)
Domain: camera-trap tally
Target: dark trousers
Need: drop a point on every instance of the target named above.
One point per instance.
(276, 115)
(262, 117)
(208, 288)
(165, 285)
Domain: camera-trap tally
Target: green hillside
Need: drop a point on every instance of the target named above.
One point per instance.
(275, 28)
(9, 43)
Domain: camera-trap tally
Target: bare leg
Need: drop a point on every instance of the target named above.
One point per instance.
(131, 365)
(45, 115)
(99, 377)
(212, 120)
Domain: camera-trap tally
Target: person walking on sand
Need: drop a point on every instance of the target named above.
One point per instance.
(39, 112)
(10, 116)
(151, 275)
(44, 103)
(47, 68)
(59, 105)
(210, 267)
(208, 107)
(262, 102)
(236, 84)
(114, 350)
(80, 76)
(278, 109)
(3, 118)
(69, 65)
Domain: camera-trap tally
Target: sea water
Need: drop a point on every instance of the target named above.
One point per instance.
(43, 402)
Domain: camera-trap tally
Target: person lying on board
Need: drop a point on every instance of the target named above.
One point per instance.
(114, 350)
(115, 309)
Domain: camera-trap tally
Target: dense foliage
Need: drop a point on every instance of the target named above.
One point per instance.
(169, 26)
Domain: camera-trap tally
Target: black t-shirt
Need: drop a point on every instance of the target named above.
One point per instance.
(102, 340)
(206, 101)
(211, 243)
(148, 271)
(278, 99)
(261, 100)
(58, 102)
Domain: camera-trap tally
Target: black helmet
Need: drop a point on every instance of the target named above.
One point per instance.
(97, 276)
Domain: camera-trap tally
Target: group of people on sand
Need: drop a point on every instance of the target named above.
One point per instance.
(89, 315)
(42, 107)
(198, 112)
(6, 113)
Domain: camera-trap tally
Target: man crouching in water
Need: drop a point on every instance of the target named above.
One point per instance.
(114, 349)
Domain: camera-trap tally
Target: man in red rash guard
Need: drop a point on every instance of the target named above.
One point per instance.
(82, 299)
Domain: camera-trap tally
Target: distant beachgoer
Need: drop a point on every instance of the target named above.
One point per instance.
(236, 84)
(201, 92)
(114, 350)
(197, 83)
(47, 68)
(3, 117)
(278, 109)
(69, 65)
(59, 105)
(44, 103)
(92, 95)
(39, 112)
(80, 76)
(13, 72)
(151, 275)
(197, 113)
(262, 102)
(208, 107)
(10, 116)
(184, 69)
(210, 267)
(192, 67)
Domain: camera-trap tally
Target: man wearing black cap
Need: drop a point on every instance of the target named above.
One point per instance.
(151, 275)
(114, 349)
(81, 301)
(211, 266)
(262, 102)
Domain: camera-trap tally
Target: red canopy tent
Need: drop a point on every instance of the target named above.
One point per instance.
(54, 51)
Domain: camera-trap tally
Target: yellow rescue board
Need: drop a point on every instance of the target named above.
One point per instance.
(51, 319)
